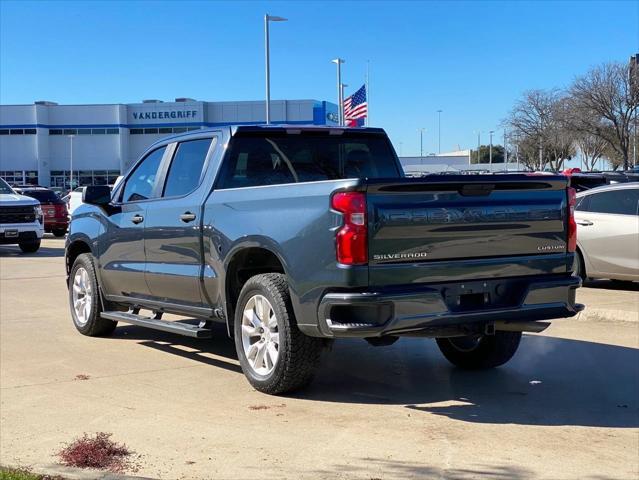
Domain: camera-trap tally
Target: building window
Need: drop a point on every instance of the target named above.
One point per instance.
(98, 131)
(161, 130)
(81, 178)
(70, 131)
(20, 177)
(84, 131)
(112, 131)
(55, 131)
(18, 131)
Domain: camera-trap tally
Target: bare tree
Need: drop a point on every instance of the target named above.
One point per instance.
(538, 122)
(605, 102)
(591, 148)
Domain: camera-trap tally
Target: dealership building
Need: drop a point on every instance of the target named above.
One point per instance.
(45, 142)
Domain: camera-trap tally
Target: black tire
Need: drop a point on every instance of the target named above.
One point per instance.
(298, 355)
(481, 351)
(59, 232)
(31, 246)
(579, 268)
(94, 325)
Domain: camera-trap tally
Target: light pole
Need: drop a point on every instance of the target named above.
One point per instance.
(340, 100)
(342, 86)
(505, 150)
(490, 152)
(439, 131)
(267, 19)
(421, 144)
(71, 162)
(478, 145)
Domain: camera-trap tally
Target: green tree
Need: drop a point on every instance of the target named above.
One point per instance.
(484, 154)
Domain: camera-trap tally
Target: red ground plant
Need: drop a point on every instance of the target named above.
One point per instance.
(97, 451)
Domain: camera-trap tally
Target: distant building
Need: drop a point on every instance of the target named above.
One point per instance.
(39, 141)
(442, 162)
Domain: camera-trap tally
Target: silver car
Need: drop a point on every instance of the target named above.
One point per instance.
(608, 232)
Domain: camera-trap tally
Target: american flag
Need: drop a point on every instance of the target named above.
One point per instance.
(356, 108)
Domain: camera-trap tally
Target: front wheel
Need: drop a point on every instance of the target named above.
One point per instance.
(476, 352)
(31, 246)
(275, 356)
(84, 299)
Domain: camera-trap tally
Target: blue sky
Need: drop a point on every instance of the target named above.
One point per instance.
(470, 59)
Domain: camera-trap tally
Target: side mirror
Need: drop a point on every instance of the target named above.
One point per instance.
(96, 195)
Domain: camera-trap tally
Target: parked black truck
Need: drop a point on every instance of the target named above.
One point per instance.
(295, 235)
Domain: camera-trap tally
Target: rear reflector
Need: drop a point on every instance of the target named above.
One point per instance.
(352, 238)
(572, 225)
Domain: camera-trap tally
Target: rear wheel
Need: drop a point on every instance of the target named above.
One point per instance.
(85, 301)
(30, 247)
(578, 266)
(59, 232)
(275, 356)
(476, 352)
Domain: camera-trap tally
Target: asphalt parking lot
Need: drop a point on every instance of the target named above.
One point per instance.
(567, 406)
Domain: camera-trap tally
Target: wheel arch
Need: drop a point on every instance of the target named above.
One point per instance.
(75, 248)
(243, 263)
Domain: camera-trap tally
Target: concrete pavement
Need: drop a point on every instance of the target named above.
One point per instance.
(567, 406)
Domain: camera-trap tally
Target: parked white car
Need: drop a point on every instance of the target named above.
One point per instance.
(21, 220)
(74, 199)
(608, 232)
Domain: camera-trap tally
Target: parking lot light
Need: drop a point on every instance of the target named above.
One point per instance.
(269, 18)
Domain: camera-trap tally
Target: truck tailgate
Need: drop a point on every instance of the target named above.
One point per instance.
(454, 219)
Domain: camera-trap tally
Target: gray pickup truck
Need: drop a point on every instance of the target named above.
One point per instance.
(294, 236)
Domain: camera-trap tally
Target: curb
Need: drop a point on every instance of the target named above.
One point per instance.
(72, 473)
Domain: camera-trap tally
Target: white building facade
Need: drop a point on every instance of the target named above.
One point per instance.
(45, 142)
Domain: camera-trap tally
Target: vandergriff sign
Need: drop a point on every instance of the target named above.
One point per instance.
(164, 114)
(160, 113)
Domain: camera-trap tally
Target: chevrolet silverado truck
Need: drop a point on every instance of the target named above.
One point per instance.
(294, 236)
(21, 220)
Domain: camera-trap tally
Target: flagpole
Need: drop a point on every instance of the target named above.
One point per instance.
(368, 94)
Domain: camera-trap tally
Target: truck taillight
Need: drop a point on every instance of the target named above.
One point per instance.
(572, 225)
(352, 237)
(60, 210)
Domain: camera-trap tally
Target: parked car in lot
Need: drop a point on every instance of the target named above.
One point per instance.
(21, 220)
(73, 199)
(608, 232)
(293, 236)
(56, 215)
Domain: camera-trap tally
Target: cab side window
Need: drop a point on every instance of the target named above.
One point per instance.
(186, 168)
(140, 184)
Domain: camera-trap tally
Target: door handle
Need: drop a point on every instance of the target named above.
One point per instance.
(187, 217)
(585, 223)
(137, 219)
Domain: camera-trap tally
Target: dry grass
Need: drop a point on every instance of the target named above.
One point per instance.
(98, 452)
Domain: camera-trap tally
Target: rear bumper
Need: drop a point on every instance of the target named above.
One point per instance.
(56, 223)
(433, 309)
